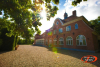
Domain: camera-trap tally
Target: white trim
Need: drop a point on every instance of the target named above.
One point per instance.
(61, 40)
(87, 25)
(40, 41)
(70, 39)
(81, 45)
(59, 19)
(55, 39)
(50, 41)
(61, 37)
(68, 26)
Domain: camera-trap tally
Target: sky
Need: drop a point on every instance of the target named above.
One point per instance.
(89, 9)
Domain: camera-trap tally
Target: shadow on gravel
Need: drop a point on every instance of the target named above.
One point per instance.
(76, 54)
(3, 52)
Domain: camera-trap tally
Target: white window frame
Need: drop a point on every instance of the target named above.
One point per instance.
(54, 31)
(69, 40)
(67, 28)
(55, 41)
(61, 40)
(50, 41)
(82, 41)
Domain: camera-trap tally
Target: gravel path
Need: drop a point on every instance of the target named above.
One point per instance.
(37, 56)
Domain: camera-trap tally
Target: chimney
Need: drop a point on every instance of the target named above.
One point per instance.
(74, 13)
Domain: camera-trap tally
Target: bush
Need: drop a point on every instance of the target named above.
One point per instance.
(7, 43)
(0, 42)
(27, 41)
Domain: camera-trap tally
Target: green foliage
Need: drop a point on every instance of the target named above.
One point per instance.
(51, 11)
(96, 25)
(1, 42)
(75, 2)
(22, 20)
(21, 17)
(26, 41)
(7, 43)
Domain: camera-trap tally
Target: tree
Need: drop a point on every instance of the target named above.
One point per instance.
(24, 15)
(75, 2)
(96, 25)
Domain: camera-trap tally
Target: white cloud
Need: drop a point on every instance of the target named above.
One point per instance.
(89, 9)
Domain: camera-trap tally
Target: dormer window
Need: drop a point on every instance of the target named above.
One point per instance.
(57, 22)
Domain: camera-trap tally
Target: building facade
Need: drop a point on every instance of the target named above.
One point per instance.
(71, 32)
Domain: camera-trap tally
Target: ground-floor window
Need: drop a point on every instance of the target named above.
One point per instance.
(55, 41)
(46, 42)
(69, 40)
(61, 41)
(81, 40)
(50, 41)
(39, 41)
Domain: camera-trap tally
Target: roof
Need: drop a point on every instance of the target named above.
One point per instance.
(69, 19)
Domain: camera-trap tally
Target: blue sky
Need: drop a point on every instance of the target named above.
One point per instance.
(89, 9)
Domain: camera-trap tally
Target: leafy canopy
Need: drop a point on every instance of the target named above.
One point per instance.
(75, 2)
(24, 15)
(96, 25)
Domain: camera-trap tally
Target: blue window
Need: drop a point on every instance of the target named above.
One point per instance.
(57, 22)
(68, 28)
(60, 30)
(76, 26)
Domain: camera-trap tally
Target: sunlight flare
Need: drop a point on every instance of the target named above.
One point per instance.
(43, 12)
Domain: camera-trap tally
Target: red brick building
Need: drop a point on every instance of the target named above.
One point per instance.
(72, 33)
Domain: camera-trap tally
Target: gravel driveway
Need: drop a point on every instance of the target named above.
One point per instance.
(37, 56)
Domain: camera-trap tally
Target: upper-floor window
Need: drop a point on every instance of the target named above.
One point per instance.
(76, 26)
(60, 30)
(54, 32)
(68, 28)
(57, 22)
(81, 40)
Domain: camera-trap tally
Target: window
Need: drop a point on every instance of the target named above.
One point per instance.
(55, 41)
(46, 42)
(54, 32)
(76, 26)
(68, 28)
(60, 30)
(50, 41)
(69, 41)
(57, 22)
(42, 41)
(61, 41)
(81, 40)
